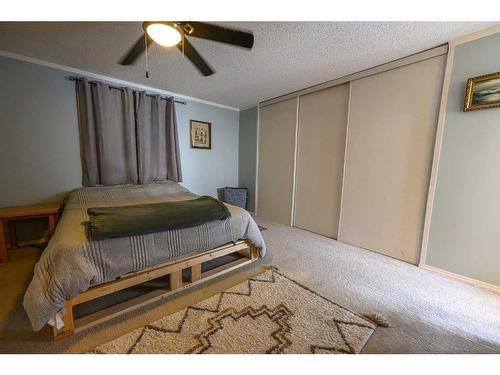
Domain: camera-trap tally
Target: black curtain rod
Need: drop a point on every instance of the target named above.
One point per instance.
(72, 78)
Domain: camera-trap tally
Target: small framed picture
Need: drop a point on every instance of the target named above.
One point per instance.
(200, 134)
(483, 92)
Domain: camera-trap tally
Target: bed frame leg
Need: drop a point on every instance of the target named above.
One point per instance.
(195, 273)
(254, 252)
(69, 323)
(175, 280)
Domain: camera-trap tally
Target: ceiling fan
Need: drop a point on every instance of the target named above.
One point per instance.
(170, 34)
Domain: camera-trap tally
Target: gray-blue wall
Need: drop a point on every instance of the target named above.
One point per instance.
(39, 146)
(465, 224)
(39, 151)
(247, 153)
(204, 171)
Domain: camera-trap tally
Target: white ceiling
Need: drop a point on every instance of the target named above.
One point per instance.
(286, 57)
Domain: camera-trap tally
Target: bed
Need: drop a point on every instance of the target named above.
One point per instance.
(72, 266)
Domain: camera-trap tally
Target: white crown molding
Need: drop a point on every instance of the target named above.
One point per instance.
(477, 35)
(436, 155)
(295, 158)
(257, 137)
(248, 107)
(416, 57)
(468, 280)
(110, 79)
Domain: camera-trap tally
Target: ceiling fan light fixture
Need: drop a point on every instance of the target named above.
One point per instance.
(178, 34)
(164, 34)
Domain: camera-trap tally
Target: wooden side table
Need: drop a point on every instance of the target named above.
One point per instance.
(13, 214)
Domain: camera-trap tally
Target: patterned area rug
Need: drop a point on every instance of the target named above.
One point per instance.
(269, 313)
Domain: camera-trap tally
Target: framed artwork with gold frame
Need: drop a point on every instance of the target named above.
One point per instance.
(200, 134)
(482, 92)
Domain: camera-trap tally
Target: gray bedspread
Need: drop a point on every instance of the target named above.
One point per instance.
(71, 264)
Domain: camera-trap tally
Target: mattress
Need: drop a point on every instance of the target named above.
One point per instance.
(71, 263)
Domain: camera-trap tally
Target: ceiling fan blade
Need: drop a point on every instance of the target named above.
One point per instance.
(192, 54)
(218, 33)
(135, 51)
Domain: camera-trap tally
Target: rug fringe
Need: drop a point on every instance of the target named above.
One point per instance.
(378, 319)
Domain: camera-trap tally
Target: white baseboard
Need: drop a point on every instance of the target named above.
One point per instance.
(39, 241)
(468, 280)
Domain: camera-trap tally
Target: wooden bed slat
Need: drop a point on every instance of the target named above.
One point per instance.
(173, 270)
(154, 273)
(112, 312)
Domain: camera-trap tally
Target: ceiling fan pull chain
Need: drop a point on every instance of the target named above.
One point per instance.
(147, 56)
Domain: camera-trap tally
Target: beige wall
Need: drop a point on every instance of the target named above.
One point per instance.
(392, 122)
(320, 159)
(277, 125)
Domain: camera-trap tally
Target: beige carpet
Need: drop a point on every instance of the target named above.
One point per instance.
(268, 313)
(428, 312)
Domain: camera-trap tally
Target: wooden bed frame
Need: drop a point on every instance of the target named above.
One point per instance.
(173, 270)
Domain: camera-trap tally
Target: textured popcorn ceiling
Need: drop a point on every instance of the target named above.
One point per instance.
(287, 56)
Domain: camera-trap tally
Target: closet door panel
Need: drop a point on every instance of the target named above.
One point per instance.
(392, 123)
(320, 159)
(277, 123)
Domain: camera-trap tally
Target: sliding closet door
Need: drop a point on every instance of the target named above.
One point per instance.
(320, 159)
(277, 123)
(392, 123)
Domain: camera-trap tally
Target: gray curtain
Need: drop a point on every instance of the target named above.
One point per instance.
(107, 134)
(157, 140)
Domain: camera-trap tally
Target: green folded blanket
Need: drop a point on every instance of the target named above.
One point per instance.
(124, 221)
